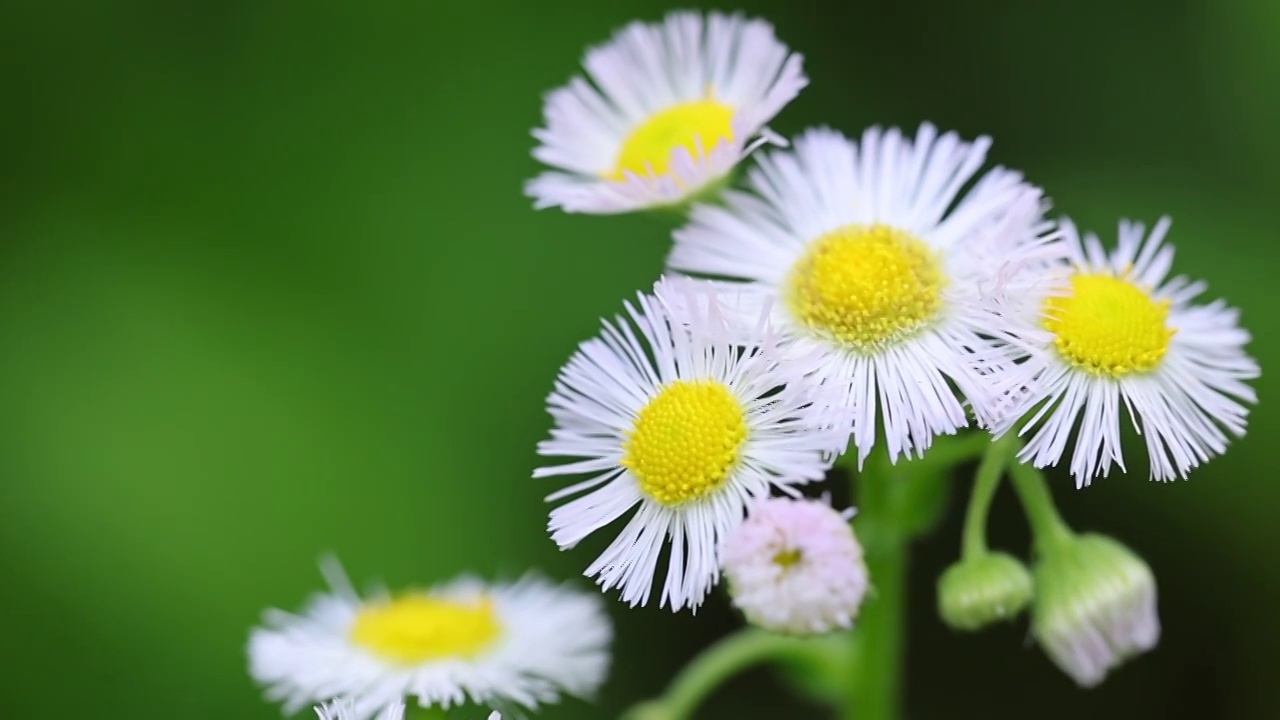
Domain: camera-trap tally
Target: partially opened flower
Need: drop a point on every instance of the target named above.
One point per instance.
(795, 567)
(523, 643)
(679, 426)
(875, 256)
(1095, 606)
(666, 110)
(1116, 336)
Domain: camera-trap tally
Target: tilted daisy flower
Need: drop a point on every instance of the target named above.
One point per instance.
(795, 567)
(523, 643)
(671, 419)
(873, 255)
(1116, 336)
(666, 110)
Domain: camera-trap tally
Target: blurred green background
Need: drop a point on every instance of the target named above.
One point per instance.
(269, 287)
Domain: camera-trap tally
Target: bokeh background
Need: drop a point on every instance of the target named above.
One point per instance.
(269, 287)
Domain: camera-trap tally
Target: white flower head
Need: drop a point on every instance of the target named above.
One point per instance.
(670, 418)
(795, 567)
(874, 255)
(1094, 607)
(666, 110)
(345, 709)
(1115, 336)
(523, 643)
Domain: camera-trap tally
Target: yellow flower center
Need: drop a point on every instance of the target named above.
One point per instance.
(863, 287)
(416, 628)
(786, 558)
(685, 441)
(684, 125)
(1108, 326)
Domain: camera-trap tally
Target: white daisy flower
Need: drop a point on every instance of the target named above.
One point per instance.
(794, 566)
(345, 709)
(666, 110)
(670, 418)
(1114, 335)
(523, 643)
(876, 257)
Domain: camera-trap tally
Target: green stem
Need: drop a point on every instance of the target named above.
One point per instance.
(987, 480)
(1048, 528)
(725, 659)
(875, 693)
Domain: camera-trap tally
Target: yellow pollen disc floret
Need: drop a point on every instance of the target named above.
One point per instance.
(787, 558)
(416, 628)
(651, 144)
(1108, 326)
(863, 287)
(685, 441)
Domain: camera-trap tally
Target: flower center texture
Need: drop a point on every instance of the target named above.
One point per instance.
(649, 147)
(685, 441)
(787, 558)
(866, 286)
(417, 628)
(1108, 326)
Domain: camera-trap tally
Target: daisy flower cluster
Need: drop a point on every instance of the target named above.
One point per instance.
(861, 300)
(842, 296)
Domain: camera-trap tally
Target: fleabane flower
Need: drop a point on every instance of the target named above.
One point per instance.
(684, 429)
(873, 255)
(522, 643)
(665, 110)
(794, 566)
(345, 710)
(1115, 336)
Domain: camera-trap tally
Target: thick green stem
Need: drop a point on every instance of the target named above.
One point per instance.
(990, 470)
(723, 660)
(876, 689)
(1048, 528)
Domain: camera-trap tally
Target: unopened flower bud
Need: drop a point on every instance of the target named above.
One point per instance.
(794, 566)
(1095, 607)
(982, 590)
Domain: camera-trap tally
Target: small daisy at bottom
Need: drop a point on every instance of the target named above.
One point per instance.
(345, 709)
(523, 643)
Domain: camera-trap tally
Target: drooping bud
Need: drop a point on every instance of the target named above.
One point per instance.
(794, 566)
(1095, 607)
(979, 591)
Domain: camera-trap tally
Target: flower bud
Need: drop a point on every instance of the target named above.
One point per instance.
(1095, 607)
(794, 566)
(979, 591)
